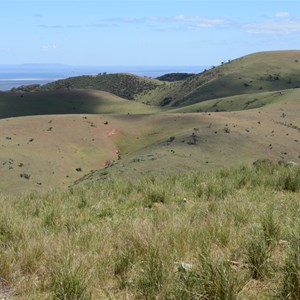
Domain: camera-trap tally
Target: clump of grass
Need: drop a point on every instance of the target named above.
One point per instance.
(123, 262)
(258, 251)
(289, 181)
(8, 234)
(156, 196)
(152, 275)
(270, 228)
(70, 282)
(210, 279)
(290, 288)
(266, 166)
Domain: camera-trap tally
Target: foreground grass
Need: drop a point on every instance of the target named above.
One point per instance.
(230, 234)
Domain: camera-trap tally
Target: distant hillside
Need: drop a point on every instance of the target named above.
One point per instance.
(123, 85)
(174, 76)
(259, 72)
(252, 74)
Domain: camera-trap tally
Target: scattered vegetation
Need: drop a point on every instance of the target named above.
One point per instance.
(123, 85)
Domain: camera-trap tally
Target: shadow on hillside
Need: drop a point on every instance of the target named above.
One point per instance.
(47, 103)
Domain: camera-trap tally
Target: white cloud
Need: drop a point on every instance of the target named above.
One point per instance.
(201, 22)
(282, 14)
(186, 22)
(274, 27)
(125, 20)
(47, 47)
(58, 26)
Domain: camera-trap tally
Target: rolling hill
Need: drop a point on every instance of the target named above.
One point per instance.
(259, 72)
(252, 112)
(127, 86)
(180, 143)
(196, 194)
(251, 74)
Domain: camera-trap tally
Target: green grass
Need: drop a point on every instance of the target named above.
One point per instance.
(240, 102)
(251, 74)
(227, 234)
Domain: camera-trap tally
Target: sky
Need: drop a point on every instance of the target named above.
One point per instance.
(144, 33)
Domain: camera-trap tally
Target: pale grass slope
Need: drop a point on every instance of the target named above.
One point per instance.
(49, 149)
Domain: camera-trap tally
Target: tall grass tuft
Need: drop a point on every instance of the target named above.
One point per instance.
(290, 288)
(271, 228)
(289, 181)
(210, 279)
(258, 251)
(152, 275)
(70, 282)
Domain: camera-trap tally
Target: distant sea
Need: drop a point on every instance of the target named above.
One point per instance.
(17, 75)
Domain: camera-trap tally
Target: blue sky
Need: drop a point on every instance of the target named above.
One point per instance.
(157, 32)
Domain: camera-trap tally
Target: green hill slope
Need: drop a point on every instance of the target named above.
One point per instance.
(259, 72)
(172, 143)
(241, 102)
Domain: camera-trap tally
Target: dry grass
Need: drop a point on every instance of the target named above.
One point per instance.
(187, 236)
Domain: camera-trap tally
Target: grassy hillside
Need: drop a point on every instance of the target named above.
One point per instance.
(14, 104)
(138, 144)
(164, 143)
(251, 74)
(230, 234)
(259, 72)
(132, 139)
(43, 152)
(241, 102)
